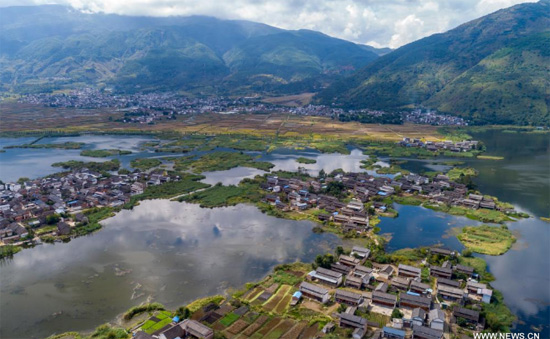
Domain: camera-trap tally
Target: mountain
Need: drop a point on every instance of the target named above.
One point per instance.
(49, 47)
(495, 69)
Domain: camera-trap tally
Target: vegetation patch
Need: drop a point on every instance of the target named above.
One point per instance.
(229, 319)
(151, 326)
(219, 195)
(103, 153)
(8, 251)
(65, 145)
(483, 215)
(408, 200)
(188, 183)
(486, 239)
(219, 161)
(111, 165)
(199, 303)
(456, 173)
(144, 164)
(142, 308)
(304, 160)
(490, 157)
(498, 317)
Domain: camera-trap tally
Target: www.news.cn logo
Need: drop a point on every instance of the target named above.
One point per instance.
(506, 335)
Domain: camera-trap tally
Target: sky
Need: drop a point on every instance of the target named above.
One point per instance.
(379, 23)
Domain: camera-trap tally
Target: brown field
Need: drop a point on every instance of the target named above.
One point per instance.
(291, 100)
(25, 117)
(252, 294)
(272, 288)
(237, 326)
(280, 329)
(272, 303)
(295, 331)
(281, 307)
(255, 325)
(267, 327)
(310, 332)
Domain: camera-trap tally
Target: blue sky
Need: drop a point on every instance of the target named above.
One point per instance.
(380, 23)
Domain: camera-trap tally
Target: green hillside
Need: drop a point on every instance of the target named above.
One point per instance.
(494, 69)
(55, 47)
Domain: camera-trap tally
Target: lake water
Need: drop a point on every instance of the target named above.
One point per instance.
(523, 179)
(165, 249)
(33, 162)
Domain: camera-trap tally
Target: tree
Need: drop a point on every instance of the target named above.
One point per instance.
(396, 313)
(466, 180)
(342, 308)
(324, 261)
(22, 180)
(183, 312)
(52, 219)
(335, 188)
(467, 253)
(339, 250)
(322, 173)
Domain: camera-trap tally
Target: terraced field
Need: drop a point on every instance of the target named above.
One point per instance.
(255, 326)
(273, 302)
(280, 329)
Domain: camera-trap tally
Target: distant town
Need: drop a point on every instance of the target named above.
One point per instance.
(153, 107)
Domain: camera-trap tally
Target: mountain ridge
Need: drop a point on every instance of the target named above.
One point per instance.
(424, 72)
(57, 44)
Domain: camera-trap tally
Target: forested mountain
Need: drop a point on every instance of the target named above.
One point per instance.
(495, 69)
(49, 47)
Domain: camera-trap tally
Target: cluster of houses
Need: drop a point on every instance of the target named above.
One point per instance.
(429, 305)
(432, 301)
(447, 145)
(298, 194)
(32, 204)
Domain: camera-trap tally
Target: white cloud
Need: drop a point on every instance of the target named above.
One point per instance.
(377, 22)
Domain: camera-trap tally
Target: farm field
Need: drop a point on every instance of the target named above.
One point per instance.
(274, 301)
(18, 117)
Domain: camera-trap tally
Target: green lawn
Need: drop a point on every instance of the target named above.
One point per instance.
(229, 319)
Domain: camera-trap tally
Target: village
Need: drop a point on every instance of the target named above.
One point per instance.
(457, 147)
(361, 292)
(363, 195)
(434, 293)
(354, 296)
(55, 205)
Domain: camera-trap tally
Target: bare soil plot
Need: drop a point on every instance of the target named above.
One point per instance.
(255, 325)
(267, 327)
(310, 332)
(281, 307)
(291, 100)
(272, 288)
(295, 331)
(253, 294)
(237, 326)
(272, 303)
(280, 329)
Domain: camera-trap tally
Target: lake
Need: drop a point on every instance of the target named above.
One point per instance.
(164, 250)
(35, 162)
